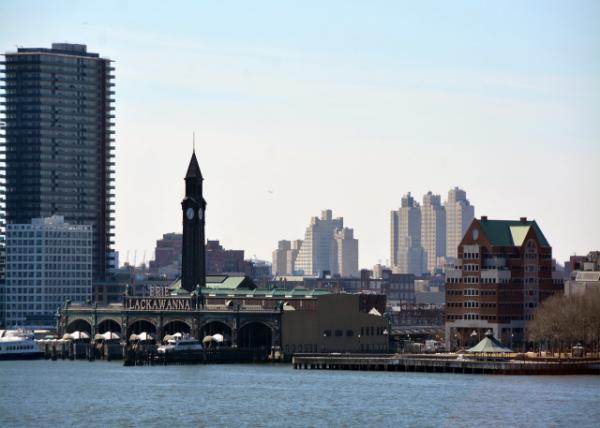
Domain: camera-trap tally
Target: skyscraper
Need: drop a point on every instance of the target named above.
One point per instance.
(459, 214)
(321, 252)
(407, 255)
(433, 230)
(59, 141)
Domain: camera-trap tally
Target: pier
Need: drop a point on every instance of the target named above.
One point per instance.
(447, 364)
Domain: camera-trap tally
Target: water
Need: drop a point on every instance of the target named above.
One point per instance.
(68, 393)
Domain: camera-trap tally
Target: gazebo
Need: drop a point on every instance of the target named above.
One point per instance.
(489, 345)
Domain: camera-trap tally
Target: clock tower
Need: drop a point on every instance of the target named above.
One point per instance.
(193, 263)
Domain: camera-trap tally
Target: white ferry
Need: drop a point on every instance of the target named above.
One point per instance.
(18, 345)
(176, 345)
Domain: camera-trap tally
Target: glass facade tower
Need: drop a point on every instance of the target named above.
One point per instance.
(58, 143)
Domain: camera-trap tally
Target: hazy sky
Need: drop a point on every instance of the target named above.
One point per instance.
(302, 106)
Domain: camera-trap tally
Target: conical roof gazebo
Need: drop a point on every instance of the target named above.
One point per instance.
(489, 345)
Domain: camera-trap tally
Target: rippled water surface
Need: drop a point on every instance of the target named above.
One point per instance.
(67, 393)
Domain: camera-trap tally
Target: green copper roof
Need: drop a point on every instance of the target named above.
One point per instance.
(508, 233)
(264, 292)
(217, 281)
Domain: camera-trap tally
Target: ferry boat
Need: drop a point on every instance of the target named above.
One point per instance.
(176, 345)
(18, 345)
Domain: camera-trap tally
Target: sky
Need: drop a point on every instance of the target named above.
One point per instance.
(301, 106)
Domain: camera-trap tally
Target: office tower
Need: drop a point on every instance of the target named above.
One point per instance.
(320, 253)
(47, 262)
(433, 230)
(59, 141)
(346, 248)
(502, 273)
(407, 254)
(459, 214)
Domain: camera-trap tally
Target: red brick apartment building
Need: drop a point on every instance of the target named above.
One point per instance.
(503, 271)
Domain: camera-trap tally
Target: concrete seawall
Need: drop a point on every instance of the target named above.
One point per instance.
(447, 364)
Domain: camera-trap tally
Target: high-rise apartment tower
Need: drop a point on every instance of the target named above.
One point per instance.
(58, 141)
(459, 214)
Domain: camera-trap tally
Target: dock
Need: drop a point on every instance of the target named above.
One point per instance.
(447, 363)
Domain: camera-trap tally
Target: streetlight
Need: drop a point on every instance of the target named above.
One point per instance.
(359, 344)
(474, 335)
(386, 334)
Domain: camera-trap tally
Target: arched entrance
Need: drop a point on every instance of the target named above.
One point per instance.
(217, 327)
(79, 325)
(141, 326)
(109, 325)
(255, 335)
(176, 327)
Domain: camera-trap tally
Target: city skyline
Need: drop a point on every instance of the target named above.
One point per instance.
(262, 106)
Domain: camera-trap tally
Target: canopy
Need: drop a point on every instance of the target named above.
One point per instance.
(77, 335)
(110, 335)
(490, 345)
(217, 337)
(208, 339)
(144, 337)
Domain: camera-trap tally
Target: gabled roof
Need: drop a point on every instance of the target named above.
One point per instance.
(193, 168)
(508, 233)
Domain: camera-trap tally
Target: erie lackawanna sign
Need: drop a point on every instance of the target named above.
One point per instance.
(159, 304)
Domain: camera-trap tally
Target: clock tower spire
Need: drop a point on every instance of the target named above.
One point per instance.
(193, 263)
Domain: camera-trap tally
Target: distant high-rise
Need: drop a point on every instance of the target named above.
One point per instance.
(278, 267)
(459, 214)
(327, 247)
(346, 248)
(59, 141)
(433, 230)
(407, 255)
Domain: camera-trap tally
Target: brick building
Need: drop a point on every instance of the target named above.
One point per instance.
(167, 252)
(220, 260)
(503, 271)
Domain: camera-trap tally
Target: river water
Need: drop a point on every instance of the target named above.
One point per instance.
(80, 393)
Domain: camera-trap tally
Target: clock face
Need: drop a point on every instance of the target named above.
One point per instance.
(200, 213)
(189, 213)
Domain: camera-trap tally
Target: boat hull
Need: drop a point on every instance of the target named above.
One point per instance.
(21, 356)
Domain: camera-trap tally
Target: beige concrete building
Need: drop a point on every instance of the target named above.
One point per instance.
(407, 255)
(459, 214)
(284, 257)
(346, 248)
(327, 247)
(336, 323)
(433, 231)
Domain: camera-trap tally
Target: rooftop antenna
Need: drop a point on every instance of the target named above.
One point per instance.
(194, 142)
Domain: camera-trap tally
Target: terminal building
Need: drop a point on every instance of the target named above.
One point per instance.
(280, 322)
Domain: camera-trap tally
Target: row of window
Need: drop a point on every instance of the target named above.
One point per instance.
(471, 267)
(15, 259)
(470, 255)
(17, 347)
